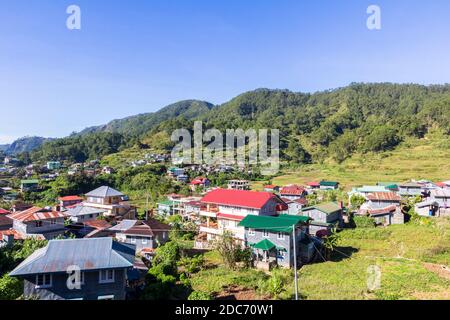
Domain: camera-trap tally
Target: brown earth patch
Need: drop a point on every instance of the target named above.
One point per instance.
(239, 293)
(440, 270)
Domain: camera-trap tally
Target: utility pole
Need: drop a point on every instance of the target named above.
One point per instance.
(295, 262)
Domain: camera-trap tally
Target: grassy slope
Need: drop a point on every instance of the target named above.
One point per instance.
(415, 159)
(400, 251)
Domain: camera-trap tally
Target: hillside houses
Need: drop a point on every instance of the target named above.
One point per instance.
(293, 192)
(324, 216)
(226, 208)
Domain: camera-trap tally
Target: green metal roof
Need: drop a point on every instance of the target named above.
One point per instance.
(281, 223)
(328, 207)
(29, 182)
(329, 183)
(166, 203)
(264, 245)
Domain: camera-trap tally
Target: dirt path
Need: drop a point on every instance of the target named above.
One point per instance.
(440, 270)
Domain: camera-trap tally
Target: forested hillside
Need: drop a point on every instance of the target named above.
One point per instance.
(25, 144)
(331, 124)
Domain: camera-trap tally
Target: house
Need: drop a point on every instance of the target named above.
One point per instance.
(38, 223)
(112, 201)
(192, 209)
(391, 186)
(239, 185)
(294, 207)
(200, 182)
(53, 165)
(20, 206)
(123, 225)
(82, 213)
(165, 208)
(149, 234)
(102, 264)
(329, 185)
(8, 237)
(325, 216)
(65, 202)
(91, 229)
(107, 170)
(313, 185)
(174, 172)
(410, 189)
(428, 208)
(293, 192)
(379, 200)
(271, 188)
(29, 185)
(271, 239)
(442, 197)
(6, 223)
(366, 190)
(225, 208)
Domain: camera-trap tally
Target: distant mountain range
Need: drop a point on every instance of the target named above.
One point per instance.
(332, 124)
(25, 144)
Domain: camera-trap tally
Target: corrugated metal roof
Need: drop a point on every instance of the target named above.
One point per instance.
(36, 214)
(328, 208)
(124, 225)
(105, 191)
(281, 223)
(82, 210)
(88, 254)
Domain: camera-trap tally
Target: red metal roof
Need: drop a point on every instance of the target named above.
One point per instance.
(199, 180)
(270, 186)
(3, 211)
(230, 216)
(36, 214)
(441, 184)
(98, 224)
(314, 184)
(238, 198)
(384, 196)
(71, 198)
(293, 190)
(17, 235)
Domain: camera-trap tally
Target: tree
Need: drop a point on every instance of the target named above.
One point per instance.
(228, 249)
(10, 288)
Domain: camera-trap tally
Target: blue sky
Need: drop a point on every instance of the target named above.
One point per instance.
(137, 56)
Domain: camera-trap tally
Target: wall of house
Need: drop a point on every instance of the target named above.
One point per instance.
(410, 191)
(91, 289)
(442, 202)
(139, 241)
(238, 210)
(30, 228)
(382, 204)
(287, 259)
(316, 215)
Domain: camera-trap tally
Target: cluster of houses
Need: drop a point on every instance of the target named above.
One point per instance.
(384, 201)
(98, 234)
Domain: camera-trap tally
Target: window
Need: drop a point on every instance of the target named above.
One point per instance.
(38, 224)
(280, 236)
(133, 239)
(43, 281)
(106, 276)
(144, 240)
(111, 297)
(265, 233)
(52, 221)
(251, 232)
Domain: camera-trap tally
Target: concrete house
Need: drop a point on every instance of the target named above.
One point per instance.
(38, 222)
(226, 208)
(69, 201)
(29, 185)
(329, 185)
(294, 207)
(384, 207)
(293, 192)
(428, 208)
(272, 240)
(81, 213)
(148, 235)
(112, 201)
(325, 216)
(410, 189)
(103, 265)
(442, 197)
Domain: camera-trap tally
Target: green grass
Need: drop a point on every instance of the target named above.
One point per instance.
(400, 252)
(414, 159)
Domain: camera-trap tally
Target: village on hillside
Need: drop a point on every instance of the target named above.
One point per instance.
(152, 248)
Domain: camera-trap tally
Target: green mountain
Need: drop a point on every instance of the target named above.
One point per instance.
(25, 144)
(142, 123)
(333, 124)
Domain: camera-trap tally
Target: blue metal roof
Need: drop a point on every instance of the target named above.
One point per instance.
(87, 254)
(105, 191)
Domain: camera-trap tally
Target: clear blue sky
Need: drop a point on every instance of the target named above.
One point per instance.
(139, 55)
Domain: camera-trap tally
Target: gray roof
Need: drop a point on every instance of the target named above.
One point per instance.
(124, 225)
(88, 254)
(83, 210)
(105, 191)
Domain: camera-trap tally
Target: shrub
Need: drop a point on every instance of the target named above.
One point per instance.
(10, 288)
(364, 222)
(198, 295)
